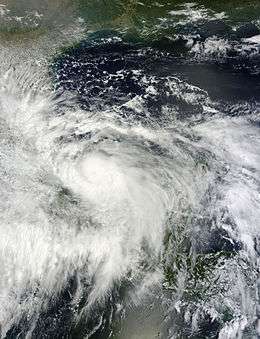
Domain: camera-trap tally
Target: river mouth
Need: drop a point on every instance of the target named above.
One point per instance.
(129, 169)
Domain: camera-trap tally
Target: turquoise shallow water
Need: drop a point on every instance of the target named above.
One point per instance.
(129, 169)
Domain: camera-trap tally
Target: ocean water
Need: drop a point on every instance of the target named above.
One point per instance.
(129, 169)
